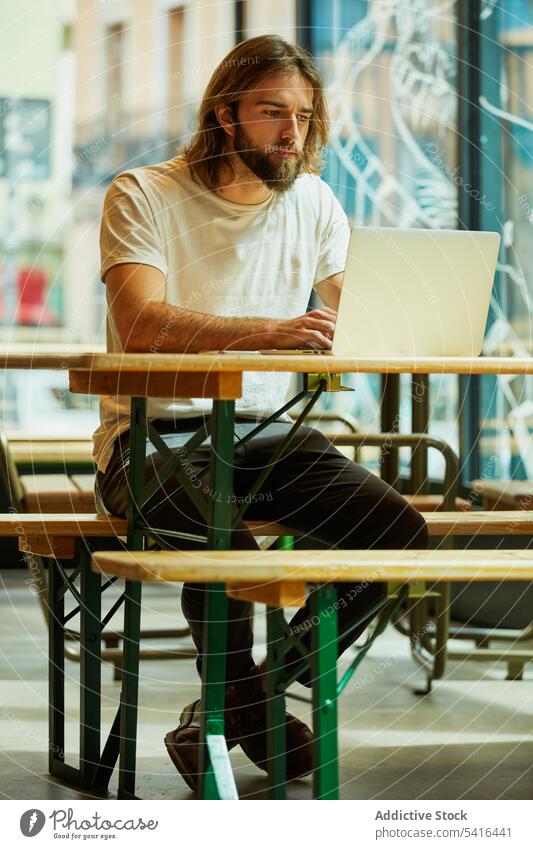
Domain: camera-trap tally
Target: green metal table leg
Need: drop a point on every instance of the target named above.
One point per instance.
(419, 424)
(90, 670)
(442, 628)
(132, 609)
(215, 779)
(390, 423)
(324, 683)
(56, 674)
(130, 690)
(276, 728)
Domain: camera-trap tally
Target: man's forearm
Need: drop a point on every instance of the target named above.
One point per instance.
(162, 328)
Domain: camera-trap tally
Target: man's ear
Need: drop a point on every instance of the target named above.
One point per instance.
(225, 118)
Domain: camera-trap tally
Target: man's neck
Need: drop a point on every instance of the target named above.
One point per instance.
(242, 186)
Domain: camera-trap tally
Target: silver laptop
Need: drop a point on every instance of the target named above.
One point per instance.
(415, 293)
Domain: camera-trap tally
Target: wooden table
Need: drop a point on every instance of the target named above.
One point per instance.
(219, 377)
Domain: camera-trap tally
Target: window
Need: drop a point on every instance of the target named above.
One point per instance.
(390, 72)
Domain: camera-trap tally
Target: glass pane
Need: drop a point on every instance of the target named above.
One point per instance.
(390, 71)
(507, 408)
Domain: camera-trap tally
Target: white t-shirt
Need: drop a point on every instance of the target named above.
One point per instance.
(220, 258)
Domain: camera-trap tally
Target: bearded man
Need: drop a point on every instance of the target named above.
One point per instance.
(220, 249)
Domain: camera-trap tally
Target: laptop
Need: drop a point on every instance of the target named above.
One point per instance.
(412, 293)
(415, 293)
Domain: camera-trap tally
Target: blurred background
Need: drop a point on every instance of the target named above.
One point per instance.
(432, 126)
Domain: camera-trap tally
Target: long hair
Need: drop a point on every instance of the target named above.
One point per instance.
(250, 63)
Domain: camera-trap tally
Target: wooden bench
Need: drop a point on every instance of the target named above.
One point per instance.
(55, 535)
(280, 578)
(504, 495)
(74, 493)
(58, 493)
(51, 534)
(296, 568)
(51, 452)
(62, 493)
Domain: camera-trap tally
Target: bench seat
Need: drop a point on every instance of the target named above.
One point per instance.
(317, 565)
(74, 525)
(504, 495)
(58, 493)
(39, 452)
(62, 493)
(279, 578)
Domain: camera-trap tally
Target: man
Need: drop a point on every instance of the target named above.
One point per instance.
(219, 249)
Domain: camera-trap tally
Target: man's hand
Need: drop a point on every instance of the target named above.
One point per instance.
(313, 330)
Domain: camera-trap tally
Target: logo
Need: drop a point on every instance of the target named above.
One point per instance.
(32, 822)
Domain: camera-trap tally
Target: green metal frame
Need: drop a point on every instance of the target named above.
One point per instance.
(216, 778)
(479, 157)
(321, 661)
(91, 773)
(429, 635)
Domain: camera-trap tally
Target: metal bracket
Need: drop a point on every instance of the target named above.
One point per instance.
(333, 382)
(417, 589)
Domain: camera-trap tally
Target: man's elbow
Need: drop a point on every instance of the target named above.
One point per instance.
(136, 333)
(136, 346)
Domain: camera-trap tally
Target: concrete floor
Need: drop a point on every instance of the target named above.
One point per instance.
(471, 738)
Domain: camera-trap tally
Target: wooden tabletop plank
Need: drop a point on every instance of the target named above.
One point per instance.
(40, 452)
(479, 522)
(495, 488)
(45, 355)
(84, 482)
(52, 524)
(46, 485)
(260, 567)
(440, 524)
(36, 358)
(306, 363)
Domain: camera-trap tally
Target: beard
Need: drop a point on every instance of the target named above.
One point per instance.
(278, 174)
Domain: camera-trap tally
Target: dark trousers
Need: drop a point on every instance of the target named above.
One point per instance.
(315, 490)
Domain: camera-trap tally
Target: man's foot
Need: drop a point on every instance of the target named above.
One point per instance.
(245, 724)
(183, 743)
(250, 715)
